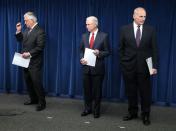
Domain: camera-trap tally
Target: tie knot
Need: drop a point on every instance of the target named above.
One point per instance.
(92, 34)
(138, 26)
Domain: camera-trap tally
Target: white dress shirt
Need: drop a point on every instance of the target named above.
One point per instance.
(95, 34)
(135, 26)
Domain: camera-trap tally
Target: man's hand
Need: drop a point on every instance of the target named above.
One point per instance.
(26, 55)
(83, 62)
(154, 71)
(18, 27)
(96, 52)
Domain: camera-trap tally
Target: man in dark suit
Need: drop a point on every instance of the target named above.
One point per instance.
(93, 76)
(137, 43)
(33, 41)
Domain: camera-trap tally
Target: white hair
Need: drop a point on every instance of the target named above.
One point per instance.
(93, 18)
(138, 8)
(31, 16)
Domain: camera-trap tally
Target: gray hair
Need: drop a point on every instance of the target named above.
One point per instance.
(93, 18)
(138, 8)
(31, 16)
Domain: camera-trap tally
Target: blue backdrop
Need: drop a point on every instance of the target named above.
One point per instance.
(64, 22)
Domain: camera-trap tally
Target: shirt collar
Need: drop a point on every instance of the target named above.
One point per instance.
(34, 26)
(136, 26)
(95, 32)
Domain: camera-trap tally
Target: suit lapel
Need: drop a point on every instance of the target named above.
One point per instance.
(25, 35)
(143, 34)
(28, 35)
(97, 38)
(132, 34)
(32, 31)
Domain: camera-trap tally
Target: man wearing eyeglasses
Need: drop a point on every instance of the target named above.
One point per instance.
(33, 42)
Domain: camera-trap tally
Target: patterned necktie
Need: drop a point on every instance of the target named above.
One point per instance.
(92, 41)
(138, 36)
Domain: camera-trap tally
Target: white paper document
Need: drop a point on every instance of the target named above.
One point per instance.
(90, 57)
(150, 65)
(20, 61)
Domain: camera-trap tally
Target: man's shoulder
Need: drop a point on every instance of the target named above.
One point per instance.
(102, 33)
(39, 29)
(148, 26)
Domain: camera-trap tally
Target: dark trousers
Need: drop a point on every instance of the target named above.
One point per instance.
(33, 79)
(92, 91)
(137, 85)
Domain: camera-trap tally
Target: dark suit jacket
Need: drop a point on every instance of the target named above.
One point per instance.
(102, 44)
(133, 58)
(34, 43)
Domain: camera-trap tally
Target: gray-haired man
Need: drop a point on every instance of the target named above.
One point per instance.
(33, 41)
(93, 76)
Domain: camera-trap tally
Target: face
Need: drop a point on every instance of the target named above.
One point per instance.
(139, 16)
(90, 25)
(28, 22)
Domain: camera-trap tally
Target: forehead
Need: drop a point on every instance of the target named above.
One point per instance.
(89, 21)
(141, 12)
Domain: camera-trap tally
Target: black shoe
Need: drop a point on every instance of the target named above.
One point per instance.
(86, 112)
(30, 102)
(40, 107)
(130, 117)
(146, 120)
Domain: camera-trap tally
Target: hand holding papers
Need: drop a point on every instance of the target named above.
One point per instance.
(20, 61)
(150, 66)
(90, 57)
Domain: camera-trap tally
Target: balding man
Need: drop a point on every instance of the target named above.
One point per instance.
(137, 43)
(33, 41)
(93, 76)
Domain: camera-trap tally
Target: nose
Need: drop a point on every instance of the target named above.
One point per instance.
(143, 17)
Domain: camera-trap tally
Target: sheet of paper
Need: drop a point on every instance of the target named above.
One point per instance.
(20, 61)
(90, 57)
(150, 64)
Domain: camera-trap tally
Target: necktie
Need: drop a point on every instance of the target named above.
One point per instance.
(138, 36)
(92, 40)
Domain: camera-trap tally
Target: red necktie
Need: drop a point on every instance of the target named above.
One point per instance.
(92, 40)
